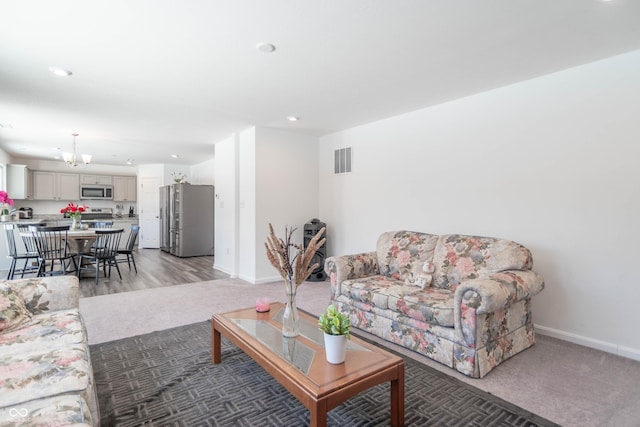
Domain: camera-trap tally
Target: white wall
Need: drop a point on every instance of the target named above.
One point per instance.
(203, 173)
(247, 205)
(551, 163)
(277, 183)
(226, 213)
(286, 189)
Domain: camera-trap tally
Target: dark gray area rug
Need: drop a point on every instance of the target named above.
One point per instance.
(166, 378)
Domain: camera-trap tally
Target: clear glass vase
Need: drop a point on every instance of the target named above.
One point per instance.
(290, 316)
(75, 224)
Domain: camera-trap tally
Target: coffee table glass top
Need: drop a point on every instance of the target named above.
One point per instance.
(295, 351)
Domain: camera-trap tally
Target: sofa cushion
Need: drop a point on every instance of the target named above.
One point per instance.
(431, 305)
(403, 254)
(458, 258)
(42, 294)
(13, 311)
(48, 372)
(365, 289)
(49, 330)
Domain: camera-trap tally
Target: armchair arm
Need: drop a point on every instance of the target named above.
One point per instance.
(492, 293)
(48, 293)
(346, 267)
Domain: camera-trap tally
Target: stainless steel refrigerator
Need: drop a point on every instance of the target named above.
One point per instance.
(186, 219)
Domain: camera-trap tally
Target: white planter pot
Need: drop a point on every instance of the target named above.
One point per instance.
(335, 347)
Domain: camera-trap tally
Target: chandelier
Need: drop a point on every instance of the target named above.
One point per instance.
(71, 159)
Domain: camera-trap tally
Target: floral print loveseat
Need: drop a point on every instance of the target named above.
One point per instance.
(464, 301)
(46, 377)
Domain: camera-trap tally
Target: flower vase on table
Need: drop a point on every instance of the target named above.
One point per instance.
(75, 213)
(293, 262)
(75, 223)
(290, 316)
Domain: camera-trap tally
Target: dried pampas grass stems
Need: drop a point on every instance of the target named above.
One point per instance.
(297, 268)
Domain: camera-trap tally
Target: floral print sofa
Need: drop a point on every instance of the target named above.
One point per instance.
(46, 377)
(464, 301)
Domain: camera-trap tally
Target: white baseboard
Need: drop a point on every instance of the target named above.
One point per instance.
(255, 281)
(628, 352)
(269, 280)
(224, 270)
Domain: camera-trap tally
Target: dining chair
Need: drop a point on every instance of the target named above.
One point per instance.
(15, 255)
(103, 252)
(51, 244)
(128, 250)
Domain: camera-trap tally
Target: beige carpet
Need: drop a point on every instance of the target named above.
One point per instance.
(564, 382)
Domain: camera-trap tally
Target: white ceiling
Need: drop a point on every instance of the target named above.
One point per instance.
(157, 77)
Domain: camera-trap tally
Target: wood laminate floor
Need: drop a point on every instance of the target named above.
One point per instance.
(156, 269)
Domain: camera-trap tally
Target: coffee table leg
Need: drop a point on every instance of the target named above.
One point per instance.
(216, 354)
(318, 414)
(397, 399)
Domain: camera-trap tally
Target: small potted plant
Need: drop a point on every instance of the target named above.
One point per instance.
(335, 326)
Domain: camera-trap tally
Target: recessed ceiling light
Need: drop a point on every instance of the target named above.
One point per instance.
(175, 156)
(130, 161)
(60, 71)
(293, 118)
(265, 47)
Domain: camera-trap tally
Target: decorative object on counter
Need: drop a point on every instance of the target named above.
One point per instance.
(71, 158)
(179, 178)
(335, 326)
(6, 202)
(294, 270)
(263, 305)
(75, 213)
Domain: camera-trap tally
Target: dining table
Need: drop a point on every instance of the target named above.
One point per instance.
(78, 241)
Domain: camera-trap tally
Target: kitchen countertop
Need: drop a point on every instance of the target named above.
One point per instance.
(37, 219)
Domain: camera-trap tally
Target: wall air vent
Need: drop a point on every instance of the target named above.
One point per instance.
(342, 160)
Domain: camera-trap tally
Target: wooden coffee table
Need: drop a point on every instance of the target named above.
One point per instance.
(300, 364)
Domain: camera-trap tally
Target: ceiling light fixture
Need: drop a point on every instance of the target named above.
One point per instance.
(130, 161)
(293, 118)
(58, 71)
(175, 156)
(71, 159)
(265, 47)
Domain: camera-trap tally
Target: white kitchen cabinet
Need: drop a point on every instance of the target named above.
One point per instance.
(124, 188)
(96, 179)
(19, 182)
(56, 186)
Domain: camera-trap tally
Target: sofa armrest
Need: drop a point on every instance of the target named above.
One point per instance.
(489, 294)
(499, 290)
(43, 294)
(347, 267)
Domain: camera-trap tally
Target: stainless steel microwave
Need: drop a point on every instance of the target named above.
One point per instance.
(96, 192)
